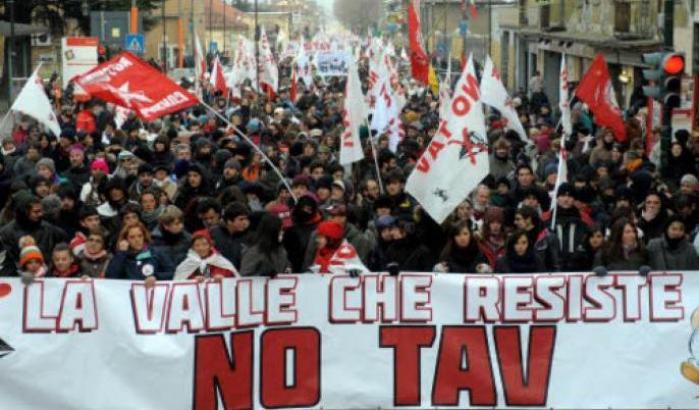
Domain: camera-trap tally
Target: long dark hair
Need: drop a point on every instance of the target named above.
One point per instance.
(512, 240)
(451, 249)
(613, 248)
(267, 235)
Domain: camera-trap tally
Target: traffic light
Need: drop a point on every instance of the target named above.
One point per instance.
(667, 69)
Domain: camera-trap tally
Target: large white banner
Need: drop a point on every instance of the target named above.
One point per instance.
(337, 342)
(335, 63)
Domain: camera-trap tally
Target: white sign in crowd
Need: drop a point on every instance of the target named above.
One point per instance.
(372, 341)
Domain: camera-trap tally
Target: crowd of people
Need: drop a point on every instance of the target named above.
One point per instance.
(184, 197)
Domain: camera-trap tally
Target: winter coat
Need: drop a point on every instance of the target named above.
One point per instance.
(257, 263)
(46, 235)
(173, 247)
(410, 255)
(631, 262)
(661, 257)
(546, 246)
(655, 227)
(500, 168)
(94, 268)
(506, 264)
(24, 168)
(77, 177)
(571, 232)
(230, 246)
(139, 265)
(296, 240)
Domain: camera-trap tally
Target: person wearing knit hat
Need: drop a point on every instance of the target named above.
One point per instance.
(232, 163)
(100, 164)
(31, 263)
(328, 240)
(689, 184)
(46, 168)
(203, 261)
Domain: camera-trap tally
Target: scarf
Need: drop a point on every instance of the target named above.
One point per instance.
(152, 216)
(194, 263)
(74, 268)
(93, 257)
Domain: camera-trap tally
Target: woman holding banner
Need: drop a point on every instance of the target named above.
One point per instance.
(134, 258)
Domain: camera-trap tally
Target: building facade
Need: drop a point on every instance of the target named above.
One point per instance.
(536, 34)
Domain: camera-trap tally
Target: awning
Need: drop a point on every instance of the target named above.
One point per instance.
(21, 29)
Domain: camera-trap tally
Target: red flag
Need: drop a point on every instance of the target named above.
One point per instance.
(218, 81)
(129, 82)
(294, 87)
(418, 58)
(595, 90)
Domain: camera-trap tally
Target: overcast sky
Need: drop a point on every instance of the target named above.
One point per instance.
(328, 4)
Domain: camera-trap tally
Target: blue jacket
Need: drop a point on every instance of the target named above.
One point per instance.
(138, 266)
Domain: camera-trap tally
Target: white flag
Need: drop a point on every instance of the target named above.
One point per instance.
(495, 95)
(561, 177)
(353, 117)
(303, 66)
(270, 72)
(564, 102)
(457, 158)
(445, 94)
(32, 101)
(199, 64)
(388, 103)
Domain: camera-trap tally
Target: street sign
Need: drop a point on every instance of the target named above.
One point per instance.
(135, 43)
(213, 47)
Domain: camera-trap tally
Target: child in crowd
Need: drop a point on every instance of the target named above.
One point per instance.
(63, 263)
(203, 261)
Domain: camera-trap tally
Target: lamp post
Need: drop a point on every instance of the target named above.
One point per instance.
(162, 16)
(11, 49)
(257, 49)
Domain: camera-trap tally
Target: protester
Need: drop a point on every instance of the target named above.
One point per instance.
(266, 255)
(94, 257)
(462, 254)
(624, 251)
(203, 261)
(135, 189)
(672, 251)
(136, 260)
(520, 256)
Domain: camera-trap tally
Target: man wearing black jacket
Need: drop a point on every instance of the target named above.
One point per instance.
(28, 222)
(231, 234)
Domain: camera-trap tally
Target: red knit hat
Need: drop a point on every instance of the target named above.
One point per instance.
(331, 230)
(203, 233)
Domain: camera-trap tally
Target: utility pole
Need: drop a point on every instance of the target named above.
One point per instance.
(191, 30)
(134, 18)
(225, 6)
(211, 27)
(180, 35)
(162, 16)
(257, 48)
(11, 46)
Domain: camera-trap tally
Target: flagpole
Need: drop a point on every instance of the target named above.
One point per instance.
(249, 141)
(376, 159)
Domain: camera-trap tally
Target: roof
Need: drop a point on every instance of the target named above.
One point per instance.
(593, 39)
(21, 29)
(216, 9)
